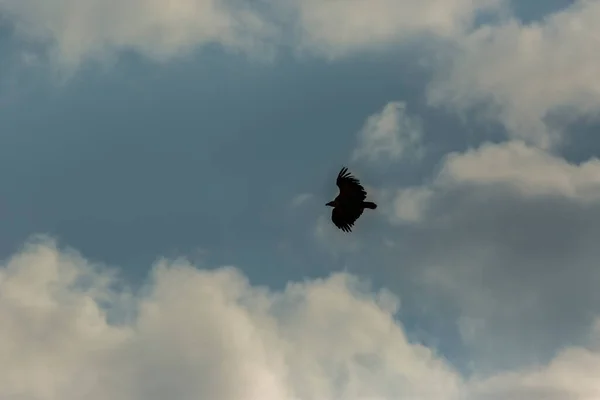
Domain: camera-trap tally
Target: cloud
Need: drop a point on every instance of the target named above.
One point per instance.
(390, 135)
(526, 170)
(535, 78)
(79, 30)
(75, 31)
(300, 199)
(202, 334)
(506, 234)
(192, 333)
(410, 204)
(529, 170)
(571, 375)
(336, 27)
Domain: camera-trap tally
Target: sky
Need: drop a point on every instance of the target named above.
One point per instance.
(164, 169)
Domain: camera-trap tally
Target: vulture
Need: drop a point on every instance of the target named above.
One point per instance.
(350, 202)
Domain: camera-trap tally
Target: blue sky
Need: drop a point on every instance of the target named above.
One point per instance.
(171, 144)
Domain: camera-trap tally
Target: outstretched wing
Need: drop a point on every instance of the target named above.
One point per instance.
(345, 217)
(350, 187)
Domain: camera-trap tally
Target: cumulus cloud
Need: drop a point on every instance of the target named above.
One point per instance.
(77, 30)
(70, 331)
(528, 170)
(507, 234)
(410, 204)
(528, 73)
(571, 375)
(336, 27)
(504, 233)
(530, 76)
(390, 135)
(202, 334)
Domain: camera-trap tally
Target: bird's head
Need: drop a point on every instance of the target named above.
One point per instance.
(330, 204)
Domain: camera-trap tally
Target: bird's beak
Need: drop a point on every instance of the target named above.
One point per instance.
(329, 204)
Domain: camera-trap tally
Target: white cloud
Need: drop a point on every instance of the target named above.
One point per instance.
(528, 170)
(527, 72)
(523, 72)
(209, 334)
(77, 30)
(203, 335)
(507, 234)
(410, 204)
(390, 135)
(336, 27)
(571, 375)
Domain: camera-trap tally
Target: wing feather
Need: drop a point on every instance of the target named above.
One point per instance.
(345, 217)
(350, 187)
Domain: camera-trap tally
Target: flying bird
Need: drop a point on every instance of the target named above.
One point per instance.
(350, 202)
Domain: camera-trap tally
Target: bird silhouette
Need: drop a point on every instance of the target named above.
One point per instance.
(350, 202)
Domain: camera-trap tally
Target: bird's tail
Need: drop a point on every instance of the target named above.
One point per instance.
(369, 204)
